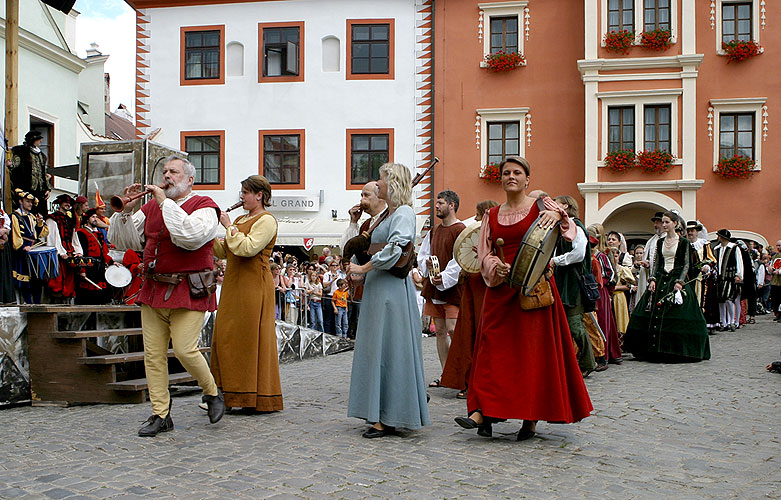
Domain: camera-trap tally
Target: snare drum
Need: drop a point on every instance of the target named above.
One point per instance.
(118, 276)
(533, 256)
(43, 261)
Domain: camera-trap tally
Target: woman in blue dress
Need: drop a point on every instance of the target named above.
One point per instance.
(387, 386)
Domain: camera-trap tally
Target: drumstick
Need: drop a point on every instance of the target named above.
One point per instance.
(499, 245)
(92, 283)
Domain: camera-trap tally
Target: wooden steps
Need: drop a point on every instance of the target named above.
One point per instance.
(83, 334)
(139, 384)
(130, 357)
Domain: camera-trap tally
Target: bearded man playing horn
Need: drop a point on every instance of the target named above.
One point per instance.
(178, 227)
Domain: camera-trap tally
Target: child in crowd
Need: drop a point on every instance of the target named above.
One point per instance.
(339, 302)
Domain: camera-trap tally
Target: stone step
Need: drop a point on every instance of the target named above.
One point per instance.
(110, 359)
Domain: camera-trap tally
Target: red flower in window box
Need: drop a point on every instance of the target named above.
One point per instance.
(737, 167)
(620, 160)
(658, 161)
(491, 173)
(504, 61)
(619, 41)
(656, 39)
(739, 50)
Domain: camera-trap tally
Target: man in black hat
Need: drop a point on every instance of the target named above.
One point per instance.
(91, 285)
(649, 254)
(730, 274)
(62, 236)
(28, 169)
(702, 252)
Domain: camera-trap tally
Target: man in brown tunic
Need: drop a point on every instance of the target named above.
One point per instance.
(442, 292)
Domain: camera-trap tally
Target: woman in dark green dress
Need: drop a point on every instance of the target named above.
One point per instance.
(661, 327)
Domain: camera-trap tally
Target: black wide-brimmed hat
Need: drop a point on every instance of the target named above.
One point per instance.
(694, 224)
(89, 213)
(64, 198)
(657, 216)
(31, 136)
(724, 233)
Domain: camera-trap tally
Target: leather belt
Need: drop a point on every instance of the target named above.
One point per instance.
(171, 279)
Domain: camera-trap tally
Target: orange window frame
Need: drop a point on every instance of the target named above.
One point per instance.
(364, 131)
(302, 158)
(183, 135)
(391, 50)
(202, 81)
(261, 52)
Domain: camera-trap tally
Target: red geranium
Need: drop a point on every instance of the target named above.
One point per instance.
(619, 41)
(504, 61)
(620, 160)
(739, 50)
(491, 173)
(737, 167)
(656, 39)
(658, 161)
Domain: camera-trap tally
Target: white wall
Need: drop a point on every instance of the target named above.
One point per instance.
(325, 104)
(92, 87)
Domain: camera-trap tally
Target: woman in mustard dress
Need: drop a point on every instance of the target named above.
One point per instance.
(246, 365)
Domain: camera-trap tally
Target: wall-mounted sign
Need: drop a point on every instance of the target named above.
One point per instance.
(295, 203)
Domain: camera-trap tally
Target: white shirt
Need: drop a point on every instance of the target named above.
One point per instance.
(332, 278)
(578, 252)
(449, 274)
(188, 231)
(54, 240)
(738, 259)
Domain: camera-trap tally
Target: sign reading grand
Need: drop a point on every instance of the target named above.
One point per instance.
(295, 203)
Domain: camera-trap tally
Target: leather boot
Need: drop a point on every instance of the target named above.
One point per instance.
(155, 425)
(216, 406)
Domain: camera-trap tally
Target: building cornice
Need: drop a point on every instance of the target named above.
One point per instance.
(629, 63)
(639, 93)
(151, 4)
(46, 49)
(628, 186)
(499, 5)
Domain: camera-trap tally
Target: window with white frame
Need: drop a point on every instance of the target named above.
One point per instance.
(503, 132)
(738, 128)
(638, 16)
(640, 120)
(504, 27)
(736, 20)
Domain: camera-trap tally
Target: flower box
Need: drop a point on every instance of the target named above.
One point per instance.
(619, 41)
(656, 40)
(739, 50)
(620, 160)
(655, 161)
(737, 167)
(491, 173)
(502, 61)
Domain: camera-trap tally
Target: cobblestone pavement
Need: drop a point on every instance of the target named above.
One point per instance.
(704, 430)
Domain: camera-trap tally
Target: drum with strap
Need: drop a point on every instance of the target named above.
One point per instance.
(533, 256)
(43, 261)
(465, 248)
(118, 276)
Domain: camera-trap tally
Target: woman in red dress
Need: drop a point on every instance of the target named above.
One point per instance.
(524, 364)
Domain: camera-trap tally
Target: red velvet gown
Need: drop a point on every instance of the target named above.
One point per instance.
(459, 359)
(524, 364)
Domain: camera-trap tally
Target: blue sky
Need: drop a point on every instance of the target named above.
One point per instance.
(101, 8)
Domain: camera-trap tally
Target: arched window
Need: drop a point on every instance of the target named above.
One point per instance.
(331, 53)
(235, 59)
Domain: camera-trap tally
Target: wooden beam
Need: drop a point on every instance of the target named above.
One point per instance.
(11, 86)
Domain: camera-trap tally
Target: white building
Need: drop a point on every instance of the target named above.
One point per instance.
(313, 94)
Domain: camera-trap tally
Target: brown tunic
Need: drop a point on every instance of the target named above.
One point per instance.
(442, 241)
(244, 359)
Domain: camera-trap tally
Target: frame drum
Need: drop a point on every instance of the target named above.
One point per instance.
(465, 248)
(533, 256)
(118, 276)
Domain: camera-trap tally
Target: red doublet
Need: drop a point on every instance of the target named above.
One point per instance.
(524, 365)
(64, 283)
(172, 259)
(93, 245)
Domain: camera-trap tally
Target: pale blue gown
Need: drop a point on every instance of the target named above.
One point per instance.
(387, 383)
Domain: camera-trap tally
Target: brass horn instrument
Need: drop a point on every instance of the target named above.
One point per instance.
(358, 246)
(234, 206)
(118, 203)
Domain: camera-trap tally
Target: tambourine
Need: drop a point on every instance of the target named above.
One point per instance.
(434, 270)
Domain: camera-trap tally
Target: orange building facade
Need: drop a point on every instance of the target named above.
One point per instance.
(575, 103)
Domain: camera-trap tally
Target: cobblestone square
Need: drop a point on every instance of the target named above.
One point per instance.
(703, 430)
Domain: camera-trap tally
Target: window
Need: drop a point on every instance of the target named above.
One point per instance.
(736, 22)
(621, 15)
(206, 151)
(504, 34)
(282, 157)
(46, 130)
(621, 128)
(370, 50)
(736, 135)
(503, 140)
(656, 15)
(657, 127)
(282, 56)
(367, 150)
(202, 55)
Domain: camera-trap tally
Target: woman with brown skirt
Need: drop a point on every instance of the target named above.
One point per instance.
(246, 365)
